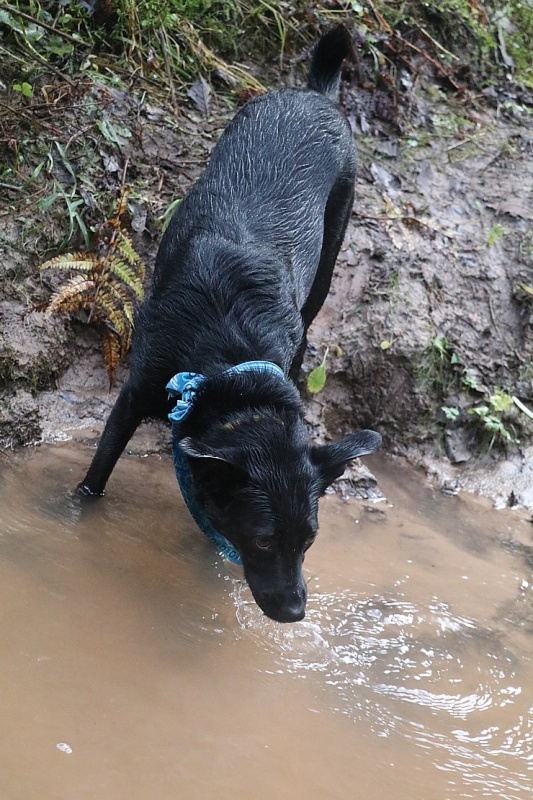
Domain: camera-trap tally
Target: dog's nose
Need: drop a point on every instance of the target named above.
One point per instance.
(293, 610)
(293, 613)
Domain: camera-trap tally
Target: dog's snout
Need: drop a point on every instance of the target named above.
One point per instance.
(293, 613)
(284, 608)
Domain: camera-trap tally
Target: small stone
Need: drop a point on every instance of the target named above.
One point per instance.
(456, 448)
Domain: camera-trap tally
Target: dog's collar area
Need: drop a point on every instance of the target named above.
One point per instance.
(183, 474)
(186, 384)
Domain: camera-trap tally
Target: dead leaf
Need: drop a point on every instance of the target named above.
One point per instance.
(200, 94)
(384, 177)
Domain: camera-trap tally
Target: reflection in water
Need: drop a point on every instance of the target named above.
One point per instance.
(139, 658)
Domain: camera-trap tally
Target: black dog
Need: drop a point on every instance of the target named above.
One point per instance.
(242, 270)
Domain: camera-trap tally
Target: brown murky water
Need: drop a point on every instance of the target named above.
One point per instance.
(134, 664)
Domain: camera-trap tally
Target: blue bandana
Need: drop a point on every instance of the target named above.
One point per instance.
(186, 385)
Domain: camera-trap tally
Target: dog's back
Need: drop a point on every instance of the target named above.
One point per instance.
(267, 184)
(272, 171)
(245, 245)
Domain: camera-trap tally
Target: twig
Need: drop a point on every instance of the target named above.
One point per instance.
(49, 66)
(431, 60)
(165, 46)
(30, 200)
(30, 118)
(403, 218)
(468, 140)
(77, 133)
(67, 36)
(437, 44)
(124, 173)
(11, 187)
(380, 18)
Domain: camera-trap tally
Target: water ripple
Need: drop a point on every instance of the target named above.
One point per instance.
(378, 656)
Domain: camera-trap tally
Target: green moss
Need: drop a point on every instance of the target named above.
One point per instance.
(516, 24)
(8, 366)
(466, 35)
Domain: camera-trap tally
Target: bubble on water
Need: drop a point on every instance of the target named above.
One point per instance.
(64, 747)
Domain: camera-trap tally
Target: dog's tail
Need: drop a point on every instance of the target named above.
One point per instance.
(328, 55)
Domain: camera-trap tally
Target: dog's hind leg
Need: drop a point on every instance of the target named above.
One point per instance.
(121, 425)
(336, 216)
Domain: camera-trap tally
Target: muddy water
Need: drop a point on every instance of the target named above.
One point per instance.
(134, 664)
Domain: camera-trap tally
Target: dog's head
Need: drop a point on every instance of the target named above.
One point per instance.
(258, 480)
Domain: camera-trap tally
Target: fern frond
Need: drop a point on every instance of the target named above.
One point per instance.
(72, 295)
(80, 261)
(128, 310)
(112, 354)
(126, 249)
(125, 342)
(106, 307)
(69, 305)
(124, 298)
(122, 213)
(108, 283)
(127, 276)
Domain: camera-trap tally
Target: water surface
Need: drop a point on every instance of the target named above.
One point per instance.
(135, 665)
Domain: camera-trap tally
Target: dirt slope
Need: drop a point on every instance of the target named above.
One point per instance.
(429, 306)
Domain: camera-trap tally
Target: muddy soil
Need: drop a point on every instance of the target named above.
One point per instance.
(427, 309)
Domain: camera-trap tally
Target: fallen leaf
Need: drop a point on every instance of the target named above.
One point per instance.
(200, 94)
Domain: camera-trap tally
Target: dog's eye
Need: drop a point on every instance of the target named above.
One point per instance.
(309, 541)
(263, 543)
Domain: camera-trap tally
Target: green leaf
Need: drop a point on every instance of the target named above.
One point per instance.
(450, 412)
(166, 216)
(440, 343)
(480, 411)
(469, 379)
(66, 163)
(495, 234)
(500, 401)
(115, 134)
(385, 344)
(58, 47)
(47, 202)
(316, 380)
(37, 171)
(66, 262)
(24, 89)
(127, 275)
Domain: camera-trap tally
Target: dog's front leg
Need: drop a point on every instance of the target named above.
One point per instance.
(121, 425)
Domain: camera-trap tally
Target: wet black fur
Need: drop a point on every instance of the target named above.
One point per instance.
(242, 270)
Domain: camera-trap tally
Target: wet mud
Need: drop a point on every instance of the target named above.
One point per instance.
(438, 249)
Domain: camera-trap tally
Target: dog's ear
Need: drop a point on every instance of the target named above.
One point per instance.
(217, 475)
(195, 449)
(332, 459)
